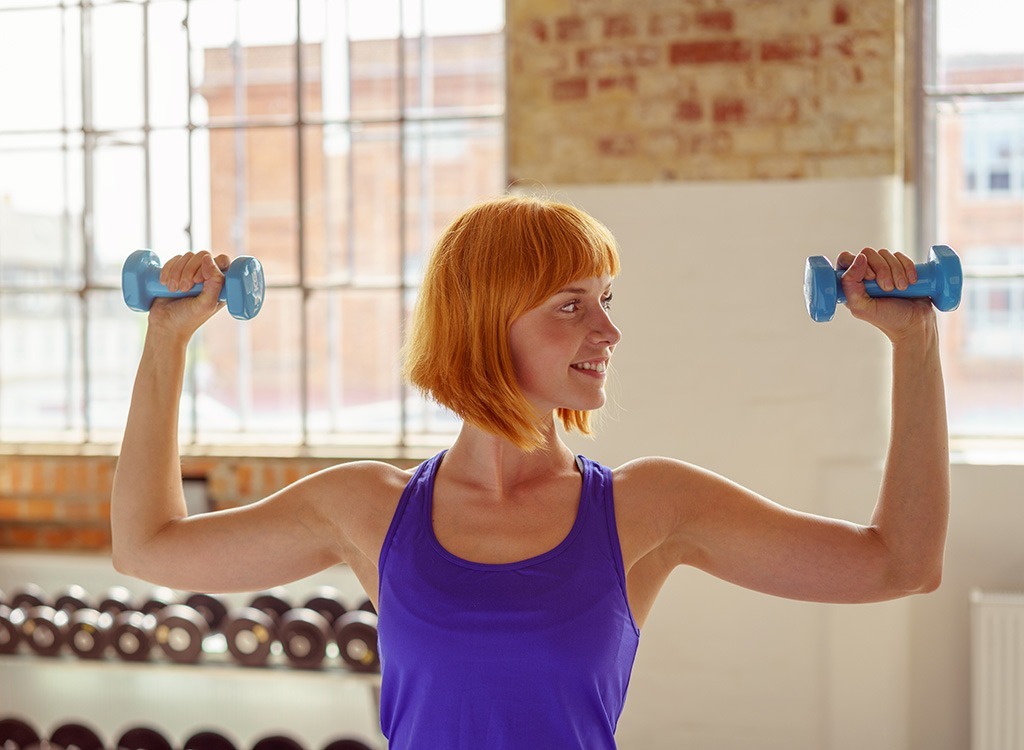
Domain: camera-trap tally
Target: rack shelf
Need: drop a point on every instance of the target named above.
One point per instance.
(245, 704)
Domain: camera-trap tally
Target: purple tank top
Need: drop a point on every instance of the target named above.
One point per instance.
(532, 654)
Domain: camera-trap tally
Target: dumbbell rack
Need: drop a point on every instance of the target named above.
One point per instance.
(313, 706)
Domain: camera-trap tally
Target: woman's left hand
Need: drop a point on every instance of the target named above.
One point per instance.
(893, 316)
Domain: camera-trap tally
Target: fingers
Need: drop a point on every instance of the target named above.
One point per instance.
(182, 272)
(889, 270)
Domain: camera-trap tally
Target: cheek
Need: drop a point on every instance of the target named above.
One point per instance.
(535, 357)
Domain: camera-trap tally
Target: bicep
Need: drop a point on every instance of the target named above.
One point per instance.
(742, 537)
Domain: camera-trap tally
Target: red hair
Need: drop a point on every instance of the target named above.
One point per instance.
(494, 262)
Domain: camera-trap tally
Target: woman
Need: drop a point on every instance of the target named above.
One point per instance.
(511, 577)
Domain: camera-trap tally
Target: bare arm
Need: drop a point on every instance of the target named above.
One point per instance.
(284, 537)
(739, 536)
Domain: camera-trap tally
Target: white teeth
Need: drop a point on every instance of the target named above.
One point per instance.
(597, 367)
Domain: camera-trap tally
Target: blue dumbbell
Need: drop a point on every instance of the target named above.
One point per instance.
(243, 289)
(941, 279)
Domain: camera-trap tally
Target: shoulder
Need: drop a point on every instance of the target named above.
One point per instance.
(654, 478)
(357, 485)
(356, 498)
(662, 495)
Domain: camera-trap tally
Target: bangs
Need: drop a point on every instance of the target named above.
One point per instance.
(570, 248)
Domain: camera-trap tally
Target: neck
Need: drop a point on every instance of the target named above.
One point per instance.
(491, 462)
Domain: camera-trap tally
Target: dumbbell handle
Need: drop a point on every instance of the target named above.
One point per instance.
(243, 289)
(923, 287)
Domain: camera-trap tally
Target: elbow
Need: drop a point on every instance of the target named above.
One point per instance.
(121, 561)
(921, 581)
(931, 582)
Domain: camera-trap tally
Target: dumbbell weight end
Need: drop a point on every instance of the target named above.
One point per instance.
(243, 291)
(940, 279)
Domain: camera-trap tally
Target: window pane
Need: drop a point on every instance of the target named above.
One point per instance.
(445, 18)
(115, 335)
(40, 211)
(377, 20)
(40, 366)
(325, 71)
(248, 374)
(117, 33)
(455, 73)
(243, 60)
(168, 64)
(30, 56)
(373, 255)
(980, 41)
(327, 195)
(119, 205)
(373, 88)
(353, 369)
(168, 183)
(984, 361)
(253, 202)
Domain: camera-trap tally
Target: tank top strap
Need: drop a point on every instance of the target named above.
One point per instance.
(602, 497)
(416, 494)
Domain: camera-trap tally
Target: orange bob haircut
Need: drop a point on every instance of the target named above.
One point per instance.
(496, 261)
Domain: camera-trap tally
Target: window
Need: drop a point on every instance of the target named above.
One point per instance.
(973, 199)
(331, 139)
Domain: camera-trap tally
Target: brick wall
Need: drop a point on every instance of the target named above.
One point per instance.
(63, 502)
(601, 91)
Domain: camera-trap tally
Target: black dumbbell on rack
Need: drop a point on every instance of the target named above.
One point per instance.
(346, 743)
(117, 599)
(75, 735)
(157, 599)
(27, 597)
(88, 632)
(356, 635)
(133, 635)
(143, 738)
(304, 635)
(71, 599)
(277, 742)
(208, 740)
(11, 622)
(328, 601)
(180, 632)
(45, 630)
(251, 631)
(16, 734)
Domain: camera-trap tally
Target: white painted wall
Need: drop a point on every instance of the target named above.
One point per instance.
(720, 366)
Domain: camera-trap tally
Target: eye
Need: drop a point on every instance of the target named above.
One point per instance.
(570, 306)
(606, 303)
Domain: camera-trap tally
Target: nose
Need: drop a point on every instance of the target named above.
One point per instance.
(605, 331)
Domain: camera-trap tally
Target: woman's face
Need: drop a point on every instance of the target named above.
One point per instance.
(561, 348)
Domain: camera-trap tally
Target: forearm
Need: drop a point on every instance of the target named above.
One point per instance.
(147, 491)
(913, 506)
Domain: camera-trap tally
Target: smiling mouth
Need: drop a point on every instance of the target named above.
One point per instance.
(596, 368)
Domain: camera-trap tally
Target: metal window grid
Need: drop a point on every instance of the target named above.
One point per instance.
(93, 136)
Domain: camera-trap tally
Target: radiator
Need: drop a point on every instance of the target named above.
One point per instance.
(997, 671)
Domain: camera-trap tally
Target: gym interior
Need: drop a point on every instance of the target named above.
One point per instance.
(722, 143)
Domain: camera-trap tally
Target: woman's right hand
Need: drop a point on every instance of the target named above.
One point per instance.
(181, 317)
